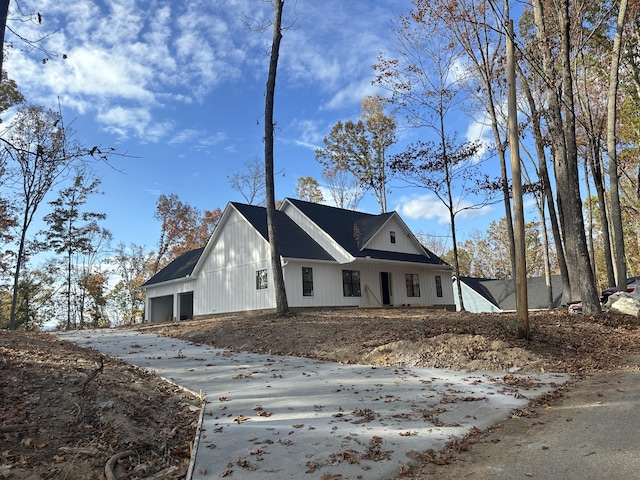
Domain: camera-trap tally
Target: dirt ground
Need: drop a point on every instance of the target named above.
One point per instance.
(64, 414)
(411, 337)
(69, 413)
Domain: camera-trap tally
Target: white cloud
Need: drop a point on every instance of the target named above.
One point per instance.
(429, 207)
(351, 94)
(476, 130)
(424, 207)
(130, 54)
(120, 120)
(195, 138)
(147, 55)
(310, 134)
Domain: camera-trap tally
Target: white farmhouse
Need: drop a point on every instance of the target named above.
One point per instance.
(331, 257)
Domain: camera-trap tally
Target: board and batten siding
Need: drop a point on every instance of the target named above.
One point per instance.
(173, 289)
(328, 292)
(170, 288)
(404, 239)
(327, 285)
(370, 276)
(227, 279)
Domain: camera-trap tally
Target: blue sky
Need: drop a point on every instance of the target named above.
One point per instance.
(179, 86)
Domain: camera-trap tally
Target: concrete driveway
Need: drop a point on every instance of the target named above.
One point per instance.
(280, 417)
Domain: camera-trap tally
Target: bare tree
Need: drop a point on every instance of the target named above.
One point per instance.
(9, 97)
(40, 153)
(132, 267)
(4, 11)
(250, 181)
(426, 84)
(282, 306)
(477, 28)
(345, 189)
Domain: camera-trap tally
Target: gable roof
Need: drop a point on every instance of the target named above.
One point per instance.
(348, 228)
(294, 242)
(352, 230)
(502, 293)
(181, 267)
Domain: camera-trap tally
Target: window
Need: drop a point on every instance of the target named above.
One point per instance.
(438, 286)
(351, 283)
(261, 279)
(413, 284)
(307, 281)
(392, 237)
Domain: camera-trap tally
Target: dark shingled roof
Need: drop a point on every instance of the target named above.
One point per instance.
(181, 267)
(352, 230)
(294, 242)
(502, 293)
(349, 228)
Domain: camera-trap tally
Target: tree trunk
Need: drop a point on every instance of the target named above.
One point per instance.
(543, 173)
(560, 92)
(574, 235)
(545, 242)
(598, 180)
(68, 291)
(520, 273)
(589, 225)
(282, 306)
(4, 11)
(616, 213)
(16, 273)
(506, 197)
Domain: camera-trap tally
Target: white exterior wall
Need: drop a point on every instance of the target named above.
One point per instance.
(227, 279)
(448, 297)
(173, 289)
(170, 288)
(370, 275)
(405, 242)
(327, 284)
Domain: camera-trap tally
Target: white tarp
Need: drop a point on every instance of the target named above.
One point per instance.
(627, 303)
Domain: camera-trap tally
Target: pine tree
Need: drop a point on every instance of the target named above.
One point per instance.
(71, 230)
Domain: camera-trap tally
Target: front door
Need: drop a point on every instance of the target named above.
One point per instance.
(385, 285)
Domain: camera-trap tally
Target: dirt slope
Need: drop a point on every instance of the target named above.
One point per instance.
(560, 342)
(67, 412)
